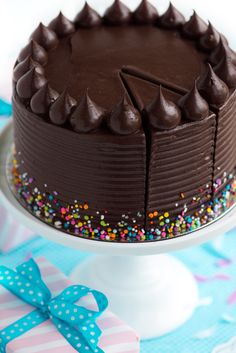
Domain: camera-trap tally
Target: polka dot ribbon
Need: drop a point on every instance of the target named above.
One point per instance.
(76, 323)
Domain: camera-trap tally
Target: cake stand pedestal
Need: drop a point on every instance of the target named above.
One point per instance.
(153, 292)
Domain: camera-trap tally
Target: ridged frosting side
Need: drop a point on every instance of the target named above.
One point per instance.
(188, 151)
(225, 161)
(108, 172)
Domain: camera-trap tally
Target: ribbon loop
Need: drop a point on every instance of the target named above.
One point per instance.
(21, 286)
(76, 323)
(74, 293)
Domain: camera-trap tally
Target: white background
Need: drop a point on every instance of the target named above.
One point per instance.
(18, 18)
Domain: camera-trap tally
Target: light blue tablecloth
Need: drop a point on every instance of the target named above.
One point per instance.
(213, 323)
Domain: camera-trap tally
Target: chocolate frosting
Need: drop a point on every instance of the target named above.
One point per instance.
(24, 66)
(61, 25)
(117, 14)
(146, 13)
(220, 51)
(35, 51)
(172, 18)
(46, 37)
(193, 105)
(104, 170)
(146, 170)
(113, 44)
(226, 70)
(229, 53)
(60, 110)
(124, 119)
(42, 99)
(30, 83)
(195, 27)
(216, 54)
(212, 88)
(210, 39)
(87, 17)
(88, 116)
(162, 113)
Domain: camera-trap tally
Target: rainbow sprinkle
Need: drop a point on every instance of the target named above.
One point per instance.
(76, 218)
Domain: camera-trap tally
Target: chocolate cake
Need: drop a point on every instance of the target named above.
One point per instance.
(124, 125)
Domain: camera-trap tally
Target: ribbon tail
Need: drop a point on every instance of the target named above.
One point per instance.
(2, 344)
(76, 337)
(93, 332)
(20, 327)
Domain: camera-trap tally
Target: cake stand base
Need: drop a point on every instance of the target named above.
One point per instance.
(153, 294)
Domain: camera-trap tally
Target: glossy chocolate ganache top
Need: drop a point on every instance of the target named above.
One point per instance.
(107, 110)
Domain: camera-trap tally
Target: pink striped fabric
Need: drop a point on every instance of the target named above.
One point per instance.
(117, 337)
(12, 234)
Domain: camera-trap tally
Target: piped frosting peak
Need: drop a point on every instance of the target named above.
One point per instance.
(195, 27)
(226, 70)
(124, 119)
(30, 83)
(62, 26)
(212, 88)
(162, 113)
(35, 51)
(117, 14)
(220, 51)
(210, 39)
(194, 106)
(172, 18)
(145, 13)
(61, 109)
(42, 99)
(87, 17)
(24, 66)
(46, 37)
(87, 116)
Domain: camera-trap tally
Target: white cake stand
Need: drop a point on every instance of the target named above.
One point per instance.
(154, 294)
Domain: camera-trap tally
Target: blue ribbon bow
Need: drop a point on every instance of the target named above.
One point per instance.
(76, 323)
